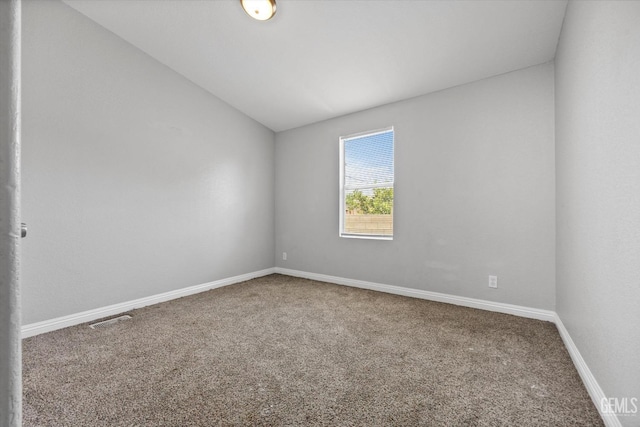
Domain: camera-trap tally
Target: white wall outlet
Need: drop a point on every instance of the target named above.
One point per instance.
(284, 256)
(493, 281)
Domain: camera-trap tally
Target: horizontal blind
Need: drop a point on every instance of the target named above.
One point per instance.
(368, 161)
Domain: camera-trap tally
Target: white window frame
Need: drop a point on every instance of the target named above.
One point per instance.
(344, 189)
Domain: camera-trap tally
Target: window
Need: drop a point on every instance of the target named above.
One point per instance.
(366, 185)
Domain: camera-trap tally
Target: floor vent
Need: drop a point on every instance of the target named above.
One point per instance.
(109, 322)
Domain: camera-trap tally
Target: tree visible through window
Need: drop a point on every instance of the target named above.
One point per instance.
(366, 184)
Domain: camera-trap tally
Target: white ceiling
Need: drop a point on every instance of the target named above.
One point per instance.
(320, 59)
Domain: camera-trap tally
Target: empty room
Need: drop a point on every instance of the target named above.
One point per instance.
(331, 212)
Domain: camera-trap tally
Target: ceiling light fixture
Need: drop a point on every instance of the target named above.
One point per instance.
(261, 10)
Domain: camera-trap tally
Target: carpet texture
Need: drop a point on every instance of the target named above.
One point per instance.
(284, 351)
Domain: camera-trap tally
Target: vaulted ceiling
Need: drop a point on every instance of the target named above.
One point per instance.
(320, 59)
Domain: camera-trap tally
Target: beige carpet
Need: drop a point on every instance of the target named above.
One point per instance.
(286, 351)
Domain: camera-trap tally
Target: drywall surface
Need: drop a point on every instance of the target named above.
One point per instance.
(474, 193)
(598, 191)
(135, 181)
(10, 343)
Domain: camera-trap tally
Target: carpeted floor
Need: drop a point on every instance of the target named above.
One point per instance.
(285, 351)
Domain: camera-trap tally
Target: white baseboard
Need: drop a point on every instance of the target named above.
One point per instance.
(98, 313)
(590, 383)
(532, 313)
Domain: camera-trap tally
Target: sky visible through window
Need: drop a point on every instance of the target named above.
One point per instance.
(369, 160)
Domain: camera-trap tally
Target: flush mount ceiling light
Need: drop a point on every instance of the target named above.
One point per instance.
(261, 10)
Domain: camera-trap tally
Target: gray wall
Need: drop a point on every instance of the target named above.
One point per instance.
(474, 193)
(598, 190)
(135, 181)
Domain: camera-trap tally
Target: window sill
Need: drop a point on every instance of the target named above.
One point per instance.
(364, 236)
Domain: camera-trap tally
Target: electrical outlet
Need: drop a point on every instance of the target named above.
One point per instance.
(284, 256)
(493, 281)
